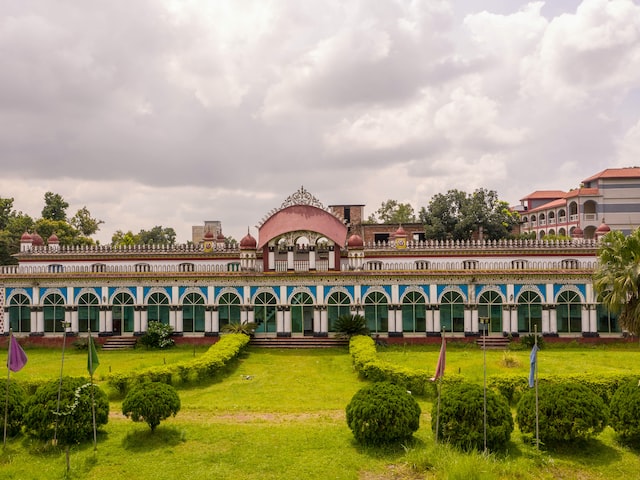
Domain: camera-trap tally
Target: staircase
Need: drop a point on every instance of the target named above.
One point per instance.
(298, 342)
(119, 343)
(494, 343)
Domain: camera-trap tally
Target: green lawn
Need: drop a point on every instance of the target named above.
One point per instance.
(279, 414)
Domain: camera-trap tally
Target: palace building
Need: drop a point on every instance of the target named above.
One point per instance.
(309, 264)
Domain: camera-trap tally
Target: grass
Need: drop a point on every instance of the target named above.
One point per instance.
(279, 414)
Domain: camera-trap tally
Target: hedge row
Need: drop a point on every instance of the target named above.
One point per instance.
(366, 362)
(205, 367)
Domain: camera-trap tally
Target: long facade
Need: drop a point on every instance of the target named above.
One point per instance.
(304, 270)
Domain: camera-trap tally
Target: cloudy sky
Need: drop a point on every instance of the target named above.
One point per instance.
(175, 112)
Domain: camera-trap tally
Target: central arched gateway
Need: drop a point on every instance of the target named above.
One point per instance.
(301, 235)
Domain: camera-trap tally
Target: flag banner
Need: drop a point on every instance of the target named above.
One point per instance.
(441, 361)
(92, 362)
(532, 372)
(16, 358)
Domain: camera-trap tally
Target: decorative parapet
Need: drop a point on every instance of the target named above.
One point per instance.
(301, 197)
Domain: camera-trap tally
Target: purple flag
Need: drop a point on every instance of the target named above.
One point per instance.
(441, 361)
(16, 359)
(533, 358)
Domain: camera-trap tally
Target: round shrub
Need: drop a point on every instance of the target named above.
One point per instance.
(625, 411)
(462, 417)
(566, 412)
(15, 407)
(75, 417)
(151, 402)
(382, 413)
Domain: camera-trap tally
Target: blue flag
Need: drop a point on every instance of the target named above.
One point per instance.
(533, 360)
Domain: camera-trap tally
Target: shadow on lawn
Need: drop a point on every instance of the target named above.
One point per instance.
(144, 440)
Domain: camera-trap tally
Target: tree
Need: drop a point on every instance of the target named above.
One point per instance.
(17, 223)
(617, 277)
(158, 235)
(85, 223)
(457, 215)
(6, 210)
(151, 402)
(392, 211)
(67, 235)
(55, 208)
(121, 239)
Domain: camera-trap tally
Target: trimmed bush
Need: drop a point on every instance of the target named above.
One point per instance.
(625, 411)
(158, 335)
(15, 407)
(382, 413)
(347, 326)
(74, 420)
(462, 417)
(566, 412)
(151, 402)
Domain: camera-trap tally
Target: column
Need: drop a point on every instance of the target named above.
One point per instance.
(71, 316)
(272, 258)
(316, 318)
(553, 319)
(332, 257)
(429, 313)
(286, 330)
(290, 265)
(593, 318)
(179, 319)
(37, 320)
(215, 320)
(312, 257)
(546, 320)
(471, 311)
(436, 319)
(7, 320)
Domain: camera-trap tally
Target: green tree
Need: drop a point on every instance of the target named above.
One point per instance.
(158, 235)
(121, 239)
(391, 211)
(17, 223)
(617, 277)
(67, 235)
(151, 402)
(457, 215)
(6, 210)
(55, 208)
(85, 223)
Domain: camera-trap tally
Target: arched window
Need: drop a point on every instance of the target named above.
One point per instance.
(123, 313)
(376, 312)
(20, 313)
(490, 306)
(569, 312)
(265, 312)
(302, 313)
(529, 312)
(158, 308)
(414, 317)
(88, 313)
(53, 311)
(452, 312)
(193, 313)
(607, 321)
(229, 309)
(337, 305)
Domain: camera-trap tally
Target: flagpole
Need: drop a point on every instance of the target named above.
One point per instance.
(535, 366)
(93, 404)
(439, 389)
(485, 325)
(6, 401)
(65, 325)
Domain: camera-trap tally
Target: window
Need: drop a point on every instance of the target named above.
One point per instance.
(607, 321)
(186, 267)
(55, 268)
(265, 312)
(414, 318)
(158, 308)
(229, 309)
(529, 312)
(88, 313)
(337, 305)
(193, 313)
(490, 306)
(381, 237)
(452, 312)
(376, 312)
(123, 312)
(142, 267)
(20, 313)
(569, 312)
(302, 313)
(98, 268)
(53, 310)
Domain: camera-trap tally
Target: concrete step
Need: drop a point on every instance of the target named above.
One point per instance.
(493, 343)
(119, 343)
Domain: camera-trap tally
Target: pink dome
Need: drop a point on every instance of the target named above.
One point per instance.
(208, 235)
(37, 240)
(355, 241)
(400, 232)
(25, 237)
(248, 242)
(577, 233)
(53, 239)
(603, 228)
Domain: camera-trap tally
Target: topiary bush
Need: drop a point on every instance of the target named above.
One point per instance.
(75, 418)
(625, 411)
(566, 412)
(151, 402)
(15, 407)
(158, 335)
(462, 417)
(382, 413)
(347, 326)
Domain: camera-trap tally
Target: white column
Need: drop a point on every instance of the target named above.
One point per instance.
(593, 318)
(287, 321)
(430, 325)
(144, 320)
(584, 319)
(546, 321)
(474, 321)
(312, 257)
(179, 320)
(468, 316)
(324, 321)
(72, 316)
(272, 258)
(316, 320)
(436, 321)
(553, 321)
(215, 321)
(290, 257)
(332, 258)
(109, 320)
(7, 321)
(208, 320)
(506, 320)
(38, 319)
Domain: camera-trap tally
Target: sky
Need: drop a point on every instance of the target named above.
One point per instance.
(167, 112)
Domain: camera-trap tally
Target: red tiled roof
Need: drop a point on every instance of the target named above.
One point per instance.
(552, 204)
(627, 172)
(544, 194)
(582, 192)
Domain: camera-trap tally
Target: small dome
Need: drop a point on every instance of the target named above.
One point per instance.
(37, 240)
(603, 228)
(220, 237)
(355, 241)
(25, 238)
(248, 242)
(53, 239)
(208, 235)
(577, 233)
(400, 232)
